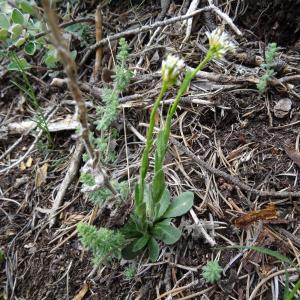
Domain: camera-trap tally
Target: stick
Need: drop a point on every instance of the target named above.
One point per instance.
(114, 37)
(99, 51)
(70, 175)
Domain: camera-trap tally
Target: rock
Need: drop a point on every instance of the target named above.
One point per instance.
(282, 108)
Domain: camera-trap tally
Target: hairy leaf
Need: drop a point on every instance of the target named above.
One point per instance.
(166, 233)
(180, 205)
(153, 248)
(158, 185)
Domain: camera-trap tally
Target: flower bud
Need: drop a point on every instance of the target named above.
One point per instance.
(171, 67)
(220, 43)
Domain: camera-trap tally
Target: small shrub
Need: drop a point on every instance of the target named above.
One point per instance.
(212, 272)
(271, 56)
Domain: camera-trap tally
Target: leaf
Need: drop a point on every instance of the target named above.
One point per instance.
(30, 48)
(51, 58)
(160, 151)
(4, 21)
(128, 253)
(23, 65)
(166, 233)
(266, 251)
(17, 17)
(163, 204)
(26, 7)
(158, 185)
(140, 243)
(180, 205)
(16, 30)
(148, 200)
(3, 34)
(266, 214)
(41, 175)
(20, 42)
(153, 248)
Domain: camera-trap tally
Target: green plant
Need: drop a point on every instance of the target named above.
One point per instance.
(108, 113)
(271, 56)
(30, 95)
(151, 220)
(212, 272)
(19, 30)
(130, 271)
(2, 256)
(111, 242)
(101, 195)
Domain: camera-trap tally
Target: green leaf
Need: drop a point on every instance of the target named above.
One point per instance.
(266, 251)
(73, 54)
(30, 48)
(4, 21)
(26, 7)
(23, 65)
(17, 17)
(140, 243)
(3, 34)
(128, 253)
(51, 59)
(153, 248)
(16, 30)
(293, 292)
(148, 201)
(286, 285)
(158, 185)
(180, 205)
(163, 204)
(166, 233)
(20, 42)
(160, 151)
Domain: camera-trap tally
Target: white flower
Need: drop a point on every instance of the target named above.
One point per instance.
(219, 42)
(171, 67)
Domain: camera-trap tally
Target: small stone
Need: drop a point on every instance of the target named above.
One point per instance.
(282, 108)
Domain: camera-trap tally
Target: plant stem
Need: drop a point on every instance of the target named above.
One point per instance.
(183, 88)
(294, 291)
(149, 140)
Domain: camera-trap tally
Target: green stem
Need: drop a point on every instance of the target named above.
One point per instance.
(294, 291)
(183, 88)
(149, 140)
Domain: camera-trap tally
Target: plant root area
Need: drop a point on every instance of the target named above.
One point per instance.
(222, 120)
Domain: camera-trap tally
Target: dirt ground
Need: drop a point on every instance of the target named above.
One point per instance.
(223, 120)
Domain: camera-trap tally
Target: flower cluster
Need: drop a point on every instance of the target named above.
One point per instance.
(219, 42)
(171, 67)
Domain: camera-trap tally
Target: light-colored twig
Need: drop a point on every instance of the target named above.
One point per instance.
(99, 51)
(70, 175)
(225, 17)
(208, 238)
